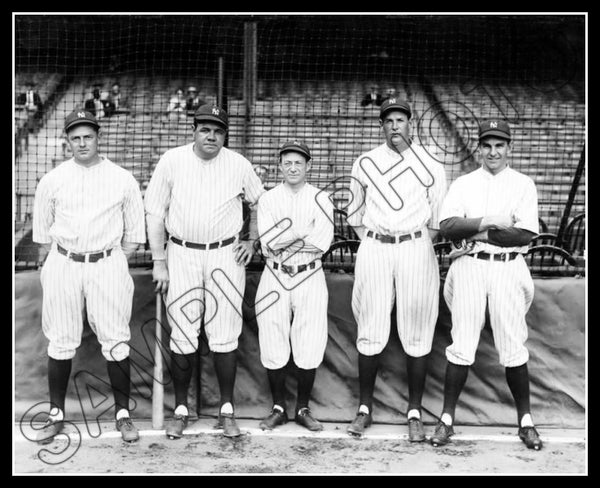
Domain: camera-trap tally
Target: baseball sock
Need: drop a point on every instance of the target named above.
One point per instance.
(118, 373)
(518, 382)
(225, 367)
(181, 371)
(367, 374)
(417, 372)
(59, 371)
(277, 384)
(456, 376)
(306, 380)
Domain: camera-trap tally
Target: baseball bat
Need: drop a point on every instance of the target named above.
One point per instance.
(157, 387)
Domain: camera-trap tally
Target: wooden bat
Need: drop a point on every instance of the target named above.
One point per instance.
(158, 387)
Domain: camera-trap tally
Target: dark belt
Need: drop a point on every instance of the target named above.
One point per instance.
(292, 270)
(392, 239)
(193, 245)
(503, 256)
(84, 258)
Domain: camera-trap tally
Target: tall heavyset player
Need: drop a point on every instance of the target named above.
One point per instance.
(195, 193)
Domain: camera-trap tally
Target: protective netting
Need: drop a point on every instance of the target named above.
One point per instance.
(307, 77)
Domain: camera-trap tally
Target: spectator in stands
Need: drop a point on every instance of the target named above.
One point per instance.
(262, 172)
(373, 97)
(193, 99)
(390, 93)
(115, 97)
(31, 101)
(95, 105)
(177, 102)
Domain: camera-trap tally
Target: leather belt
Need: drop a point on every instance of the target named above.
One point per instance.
(292, 270)
(392, 239)
(503, 256)
(193, 245)
(83, 257)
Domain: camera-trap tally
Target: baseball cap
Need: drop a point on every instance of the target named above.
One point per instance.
(212, 113)
(80, 117)
(296, 146)
(494, 127)
(394, 104)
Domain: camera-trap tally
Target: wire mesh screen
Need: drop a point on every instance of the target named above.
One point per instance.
(318, 78)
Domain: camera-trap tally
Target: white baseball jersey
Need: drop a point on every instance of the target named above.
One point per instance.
(396, 195)
(296, 322)
(201, 202)
(472, 283)
(86, 210)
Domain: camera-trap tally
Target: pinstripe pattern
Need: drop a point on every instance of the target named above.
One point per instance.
(395, 195)
(296, 323)
(505, 287)
(87, 210)
(199, 200)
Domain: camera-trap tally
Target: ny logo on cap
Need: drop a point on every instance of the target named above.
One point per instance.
(215, 111)
(494, 125)
(296, 143)
(392, 100)
(81, 115)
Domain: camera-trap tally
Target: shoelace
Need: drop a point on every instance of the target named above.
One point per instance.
(126, 421)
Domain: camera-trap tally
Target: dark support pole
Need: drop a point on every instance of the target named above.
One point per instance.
(221, 91)
(249, 77)
(574, 186)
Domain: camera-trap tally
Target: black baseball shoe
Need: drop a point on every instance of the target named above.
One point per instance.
(359, 424)
(442, 434)
(175, 428)
(305, 419)
(277, 417)
(51, 428)
(227, 422)
(415, 430)
(530, 437)
(129, 433)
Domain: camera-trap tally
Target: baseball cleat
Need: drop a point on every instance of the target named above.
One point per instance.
(360, 423)
(305, 419)
(49, 430)
(175, 428)
(415, 430)
(530, 437)
(129, 433)
(276, 418)
(227, 422)
(441, 435)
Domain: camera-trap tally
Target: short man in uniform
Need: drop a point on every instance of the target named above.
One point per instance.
(89, 214)
(397, 191)
(195, 194)
(295, 224)
(492, 212)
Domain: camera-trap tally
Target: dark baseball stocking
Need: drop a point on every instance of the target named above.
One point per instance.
(118, 373)
(518, 382)
(367, 374)
(225, 366)
(181, 370)
(417, 372)
(277, 384)
(59, 371)
(306, 379)
(456, 376)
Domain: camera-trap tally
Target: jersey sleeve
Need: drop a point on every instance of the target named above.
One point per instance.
(435, 196)
(356, 207)
(158, 193)
(43, 211)
(271, 232)
(321, 234)
(253, 187)
(452, 205)
(526, 212)
(134, 229)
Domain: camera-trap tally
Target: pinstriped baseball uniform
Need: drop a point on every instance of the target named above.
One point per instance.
(200, 201)
(396, 195)
(506, 286)
(85, 210)
(297, 322)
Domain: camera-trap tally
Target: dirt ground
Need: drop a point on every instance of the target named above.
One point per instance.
(292, 450)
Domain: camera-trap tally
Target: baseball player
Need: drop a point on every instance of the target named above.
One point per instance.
(397, 190)
(195, 193)
(295, 222)
(89, 215)
(493, 212)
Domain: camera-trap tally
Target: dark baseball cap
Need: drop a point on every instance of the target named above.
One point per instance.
(495, 127)
(212, 113)
(80, 117)
(394, 103)
(296, 146)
